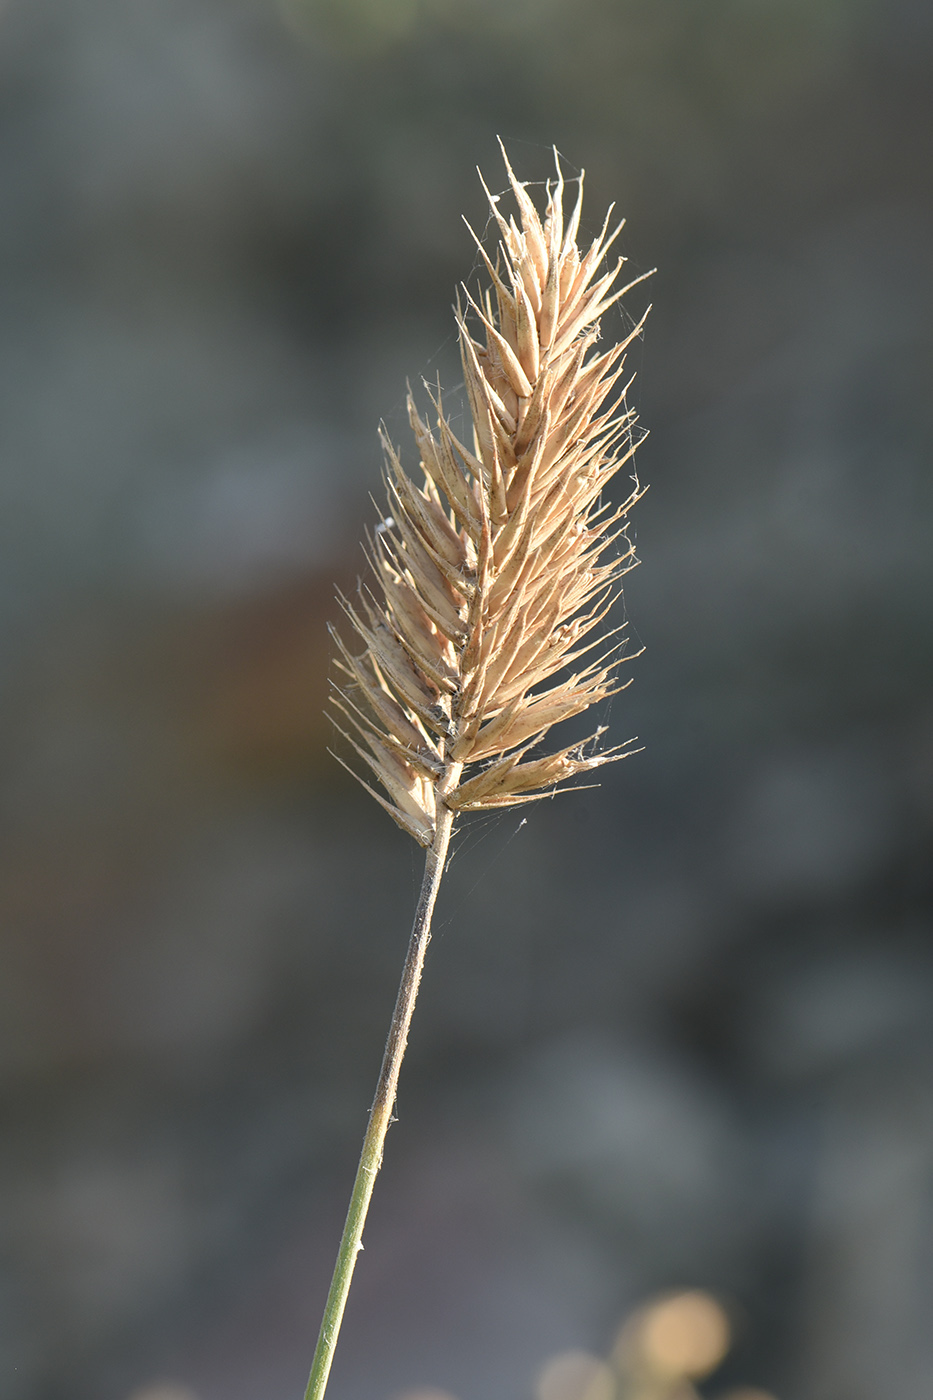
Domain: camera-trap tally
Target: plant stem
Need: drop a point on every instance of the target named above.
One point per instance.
(380, 1115)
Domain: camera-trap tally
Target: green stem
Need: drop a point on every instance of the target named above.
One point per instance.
(380, 1115)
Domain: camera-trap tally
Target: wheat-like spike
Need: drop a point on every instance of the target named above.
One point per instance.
(488, 574)
(491, 578)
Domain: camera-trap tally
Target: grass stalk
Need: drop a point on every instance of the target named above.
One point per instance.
(380, 1115)
(470, 640)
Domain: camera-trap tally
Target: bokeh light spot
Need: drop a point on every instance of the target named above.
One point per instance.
(163, 1390)
(426, 1392)
(575, 1375)
(686, 1334)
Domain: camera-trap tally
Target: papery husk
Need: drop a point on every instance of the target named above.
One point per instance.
(491, 572)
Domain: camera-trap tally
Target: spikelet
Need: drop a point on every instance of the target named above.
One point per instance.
(489, 577)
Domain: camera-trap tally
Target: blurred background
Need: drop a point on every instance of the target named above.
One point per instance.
(675, 1032)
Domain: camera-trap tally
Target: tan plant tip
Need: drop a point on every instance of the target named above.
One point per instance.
(481, 623)
(575, 1375)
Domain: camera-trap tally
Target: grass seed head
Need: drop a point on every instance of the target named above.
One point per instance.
(480, 626)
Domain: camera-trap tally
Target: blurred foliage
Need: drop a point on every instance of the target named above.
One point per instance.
(717, 54)
(661, 1352)
(232, 230)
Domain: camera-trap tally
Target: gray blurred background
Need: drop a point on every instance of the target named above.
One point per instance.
(676, 1031)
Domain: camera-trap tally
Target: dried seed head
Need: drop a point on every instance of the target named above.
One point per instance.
(491, 574)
